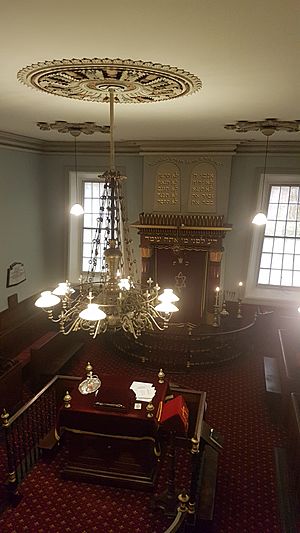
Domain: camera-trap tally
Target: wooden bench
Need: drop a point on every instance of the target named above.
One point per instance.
(48, 358)
(273, 387)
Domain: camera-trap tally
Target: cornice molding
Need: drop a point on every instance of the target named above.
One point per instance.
(187, 147)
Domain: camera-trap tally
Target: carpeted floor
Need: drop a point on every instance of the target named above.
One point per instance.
(246, 499)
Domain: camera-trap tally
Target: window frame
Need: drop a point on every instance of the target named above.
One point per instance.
(253, 290)
(75, 240)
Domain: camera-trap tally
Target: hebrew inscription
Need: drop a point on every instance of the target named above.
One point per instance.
(202, 192)
(167, 188)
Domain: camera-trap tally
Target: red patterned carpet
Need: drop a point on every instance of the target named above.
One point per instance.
(246, 499)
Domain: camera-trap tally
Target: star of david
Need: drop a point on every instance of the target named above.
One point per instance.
(180, 281)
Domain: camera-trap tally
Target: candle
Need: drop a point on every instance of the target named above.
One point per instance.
(217, 295)
(240, 290)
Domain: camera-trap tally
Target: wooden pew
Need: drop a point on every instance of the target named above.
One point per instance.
(48, 358)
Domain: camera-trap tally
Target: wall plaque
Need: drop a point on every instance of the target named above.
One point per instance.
(15, 274)
(202, 191)
(167, 188)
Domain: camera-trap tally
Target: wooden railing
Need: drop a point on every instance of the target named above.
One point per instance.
(25, 430)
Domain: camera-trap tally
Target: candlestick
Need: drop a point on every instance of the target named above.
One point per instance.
(240, 289)
(217, 295)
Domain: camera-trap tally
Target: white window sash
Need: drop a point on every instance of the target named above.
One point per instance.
(266, 293)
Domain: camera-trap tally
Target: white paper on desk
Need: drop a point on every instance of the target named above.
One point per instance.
(144, 392)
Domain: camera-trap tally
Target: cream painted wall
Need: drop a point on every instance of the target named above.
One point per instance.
(57, 169)
(243, 199)
(34, 212)
(22, 220)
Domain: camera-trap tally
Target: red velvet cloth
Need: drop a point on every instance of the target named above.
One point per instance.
(175, 415)
(84, 415)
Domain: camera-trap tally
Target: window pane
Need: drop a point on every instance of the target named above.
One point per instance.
(292, 212)
(275, 277)
(296, 279)
(284, 194)
(294, 195)
(297, 262)
(290, 229)
(87, 235)
(278, 245)
(265, 260)
(270, 228)
(274, 196)
(87, 250)
(85, 264)
(280, 228)
(264, 277)
(272, 212)
(287, 278)
(96, 190)
(277, 261)
(87, 189)
(87, 205)
(289, 246)
(282, 211)
(288, 261)
(268, 244)
(87, 220)
(281, 245)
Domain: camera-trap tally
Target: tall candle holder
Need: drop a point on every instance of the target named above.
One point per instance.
(239, 310)
(216, 319)
(224, 313)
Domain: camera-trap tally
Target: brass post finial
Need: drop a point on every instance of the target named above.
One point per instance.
(161, 376)
(150, 409)
(89, 369)
(195, 445)
(4, 418)
(183, 498)
(67, 400)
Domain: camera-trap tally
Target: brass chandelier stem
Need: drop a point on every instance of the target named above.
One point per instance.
(112, 162)
(111, 122)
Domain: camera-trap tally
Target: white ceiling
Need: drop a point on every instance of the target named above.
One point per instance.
(247, 54)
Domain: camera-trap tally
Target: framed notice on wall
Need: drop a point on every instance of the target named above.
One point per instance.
(15, 274)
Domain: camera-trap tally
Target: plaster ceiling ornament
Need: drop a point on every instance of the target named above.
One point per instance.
(90, 79)
(267, 126)
(74, 128)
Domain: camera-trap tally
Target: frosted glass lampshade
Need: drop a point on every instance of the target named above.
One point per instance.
(260, 219)
(62, 289)
(124, 283)
(76, 210)
(47, 299)
(168, 296)
(166, 307)
(93, 313)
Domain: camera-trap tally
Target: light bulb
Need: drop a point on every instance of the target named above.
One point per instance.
(76, 210)
(260, 219)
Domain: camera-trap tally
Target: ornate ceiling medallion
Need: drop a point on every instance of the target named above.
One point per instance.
(89, 79)
(265, 126)
(75, 128)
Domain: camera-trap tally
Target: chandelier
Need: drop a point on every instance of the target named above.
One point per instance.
(108, 297)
